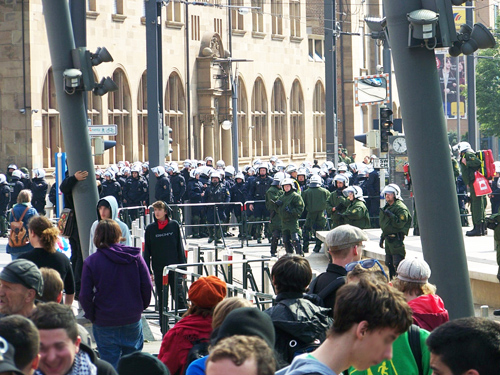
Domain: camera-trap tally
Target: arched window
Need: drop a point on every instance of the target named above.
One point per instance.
(142, 117)
(119, 108)
(243, 136)
(319, 118)
(297, 119)
(51, 123)
(278, 119)
(259, 119)
(175, 104)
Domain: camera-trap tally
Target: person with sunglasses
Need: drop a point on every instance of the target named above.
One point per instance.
(395, 222)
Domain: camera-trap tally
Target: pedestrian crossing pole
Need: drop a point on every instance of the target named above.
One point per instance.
(432, 176)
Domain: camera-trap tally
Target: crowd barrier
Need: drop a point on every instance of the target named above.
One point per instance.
(258, 290)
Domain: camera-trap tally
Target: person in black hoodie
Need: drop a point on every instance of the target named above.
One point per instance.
(163, 246)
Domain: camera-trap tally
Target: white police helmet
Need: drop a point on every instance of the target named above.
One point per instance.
(17, 173)
(464, 147)
(230, 170)
(342, 178)
(240, 175)
(3, 179)
(289, 181)
(39, 173)
(315, 181)
(356, 190)
(220, 164)
(392, 188)
(278, 177)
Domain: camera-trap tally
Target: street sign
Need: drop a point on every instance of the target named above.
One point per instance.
(384, 163)
(100, 130)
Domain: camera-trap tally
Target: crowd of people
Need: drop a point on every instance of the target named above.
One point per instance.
(369, 323)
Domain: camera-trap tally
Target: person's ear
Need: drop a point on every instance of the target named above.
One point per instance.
(59, 297)
(35, 362)
(361, 329)
(77, 343)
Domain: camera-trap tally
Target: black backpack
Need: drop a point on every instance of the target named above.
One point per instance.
(199, 350)
(319, 298)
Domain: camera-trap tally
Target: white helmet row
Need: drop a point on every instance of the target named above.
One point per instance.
(392, 188)
(462, 147)
(356, 190)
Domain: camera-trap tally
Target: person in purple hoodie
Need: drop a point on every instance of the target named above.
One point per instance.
(116, 288)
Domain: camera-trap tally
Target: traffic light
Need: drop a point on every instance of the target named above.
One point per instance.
(386, 128)
(101, 145)
(370, 139)
(167, 139)
(84, 60)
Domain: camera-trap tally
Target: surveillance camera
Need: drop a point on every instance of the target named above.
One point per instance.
(380, 68)
(72, 78)
(34, 111)
(22, 111)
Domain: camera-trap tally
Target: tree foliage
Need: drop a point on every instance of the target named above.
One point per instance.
(488, 91)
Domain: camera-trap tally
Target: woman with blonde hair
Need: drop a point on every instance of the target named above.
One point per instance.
(24, 210)
(43, 237)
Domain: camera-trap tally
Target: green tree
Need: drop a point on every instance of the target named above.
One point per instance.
(488, 90)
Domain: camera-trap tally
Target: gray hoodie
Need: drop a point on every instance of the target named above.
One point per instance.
(114, 215)
(306, 364)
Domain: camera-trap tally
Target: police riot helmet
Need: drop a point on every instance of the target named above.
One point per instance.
(342, 178)
(3, 179)
(240, 175)
(263, 165)
(315, 181)
(392, 188)
(291, 168)
(302, 172)
(354, 167)
(220, 164)
(306, 165)
(215, 174)
(12, 166)
(39, 173)
(135, 168)
(159, 170)
(187, 163)
(109, 173)
(289, 181)
(464, 147)
(356, 190)
(174, 166)
(273, 159)
(126, 170)
(342, 167)
(17, 173)
(256, 162)
(230, 171)
(278, 177)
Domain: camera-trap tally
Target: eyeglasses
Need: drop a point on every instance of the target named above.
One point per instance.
(366, 264)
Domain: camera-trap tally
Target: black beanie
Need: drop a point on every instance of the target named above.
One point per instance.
(248, 321)
(141, 363)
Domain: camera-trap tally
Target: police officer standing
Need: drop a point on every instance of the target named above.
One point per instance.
(216, 192)
(273, 195)
(4, 204)
(39, 189)
(315, 198)
(163, 191)
(337, 203)
(356, 214)
(178, 189)
(291, 206)
(395, 222)
(135, 192)
(257, 192)
(469, 164)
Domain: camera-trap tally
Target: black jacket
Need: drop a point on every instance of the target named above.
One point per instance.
(163, 247)
(296, 318)
(332, 273)
(103, 367)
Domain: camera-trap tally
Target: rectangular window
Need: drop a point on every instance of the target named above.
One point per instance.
(277, 17)
(295, 18)
(218, 26)
(174, 12)
(236, 17)
(118, 7)
(195, 27)
(91, 6)
(258, 16)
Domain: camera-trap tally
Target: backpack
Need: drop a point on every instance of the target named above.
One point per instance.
(414, 341)
(18, 235)
(319, 298)
(487, 168)
(199, 350)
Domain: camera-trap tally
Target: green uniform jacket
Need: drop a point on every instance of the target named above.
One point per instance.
(456, 169)
(315, 199)
(336, 200)
(356, 214)
(295, 204)
(274, 194)
(402, 362)
(400, 223)
(472, 164)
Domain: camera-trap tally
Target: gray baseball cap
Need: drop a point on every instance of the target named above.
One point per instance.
(24, 272)
(344, 236)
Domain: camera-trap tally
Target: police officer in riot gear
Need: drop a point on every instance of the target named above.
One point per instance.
(216, 192)
(315, 198)
(257, 192)
(291, 206)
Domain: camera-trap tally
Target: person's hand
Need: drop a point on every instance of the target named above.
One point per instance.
(250, 207)
(333, 209)
(81, 175)
(463, 161)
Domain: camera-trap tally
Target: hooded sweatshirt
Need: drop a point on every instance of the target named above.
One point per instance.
(116, 286)
(306, 364)
(113, 204)
(428, 311)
